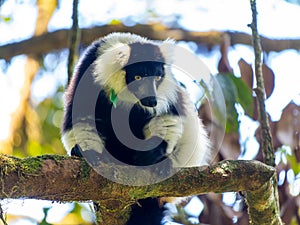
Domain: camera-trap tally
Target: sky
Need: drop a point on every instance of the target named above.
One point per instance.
(276, 19)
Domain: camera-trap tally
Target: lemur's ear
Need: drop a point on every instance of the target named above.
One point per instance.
(118, 56)
(122, 55)
(111, 61)
(167, 49)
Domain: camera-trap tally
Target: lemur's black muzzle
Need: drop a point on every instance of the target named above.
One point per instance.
(145, 91)
(149, 101)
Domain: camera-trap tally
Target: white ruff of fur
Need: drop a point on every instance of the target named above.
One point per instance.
(192, 148)
(114, 54)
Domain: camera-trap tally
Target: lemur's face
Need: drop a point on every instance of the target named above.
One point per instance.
(143, 79)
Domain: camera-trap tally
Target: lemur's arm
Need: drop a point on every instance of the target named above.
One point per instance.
(167, 127)
(82, 139)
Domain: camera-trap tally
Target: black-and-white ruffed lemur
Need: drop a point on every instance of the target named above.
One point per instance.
(155, 120)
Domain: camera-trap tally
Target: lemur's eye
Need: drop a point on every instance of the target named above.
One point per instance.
(137, 77)
(157, 78)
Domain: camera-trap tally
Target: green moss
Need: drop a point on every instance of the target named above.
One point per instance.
(31, 165)
(85, 170)
(137, 193)
(8, 163)
(56, 158)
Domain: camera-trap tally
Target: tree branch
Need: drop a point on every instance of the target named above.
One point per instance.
(63, 178)
(59, 39)
(267, 146)
(270, 189)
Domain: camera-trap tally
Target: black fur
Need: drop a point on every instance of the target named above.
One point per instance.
(147, 212)
(144, 52)
(138, 117)
(86, 61)
(150, 63)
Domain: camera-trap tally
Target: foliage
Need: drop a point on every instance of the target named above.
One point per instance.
(235, 91)
(42, 129)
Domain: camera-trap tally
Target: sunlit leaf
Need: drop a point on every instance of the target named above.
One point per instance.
(216, 103)
(235, 90)
(7, 19)
(115, 22)
(230, 94)
(34, 148)
(244, 94)
(44, 221)
(295, 165)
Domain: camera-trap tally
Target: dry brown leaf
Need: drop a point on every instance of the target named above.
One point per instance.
(223, 65)
(269, 79)
(288, 127)
(231, 148)
(246, 72)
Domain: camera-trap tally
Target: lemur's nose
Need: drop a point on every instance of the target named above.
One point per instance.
(149, 101)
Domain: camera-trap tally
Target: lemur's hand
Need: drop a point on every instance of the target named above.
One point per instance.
(152, 151)
(93, 157)
(166, 127)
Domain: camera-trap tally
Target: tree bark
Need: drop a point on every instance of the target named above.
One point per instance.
(63, 178)
(269, 192)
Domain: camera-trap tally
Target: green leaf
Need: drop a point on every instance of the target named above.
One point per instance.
(244, 94)
(295, 165)
(113, 97)
(216, 102)
(115, 22)
(6, 19)
(235, 91)
(44, 221)
(230, 94)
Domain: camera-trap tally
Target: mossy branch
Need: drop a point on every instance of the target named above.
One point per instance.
(63, 178)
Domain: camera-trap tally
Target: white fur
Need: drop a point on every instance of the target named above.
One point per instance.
(167, 49)
(84, 134)
(186, 137)
(192, 148)
(114, 54)
(167, 92)
(167, 127)
(188, 144)
(68, 140)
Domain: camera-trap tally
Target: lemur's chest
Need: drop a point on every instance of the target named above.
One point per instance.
(120, 121)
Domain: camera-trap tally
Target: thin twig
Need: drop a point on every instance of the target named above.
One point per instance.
(267, 146)
(2, 216)
(74, 41)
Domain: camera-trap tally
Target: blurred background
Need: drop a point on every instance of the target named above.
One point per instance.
(34, 67)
